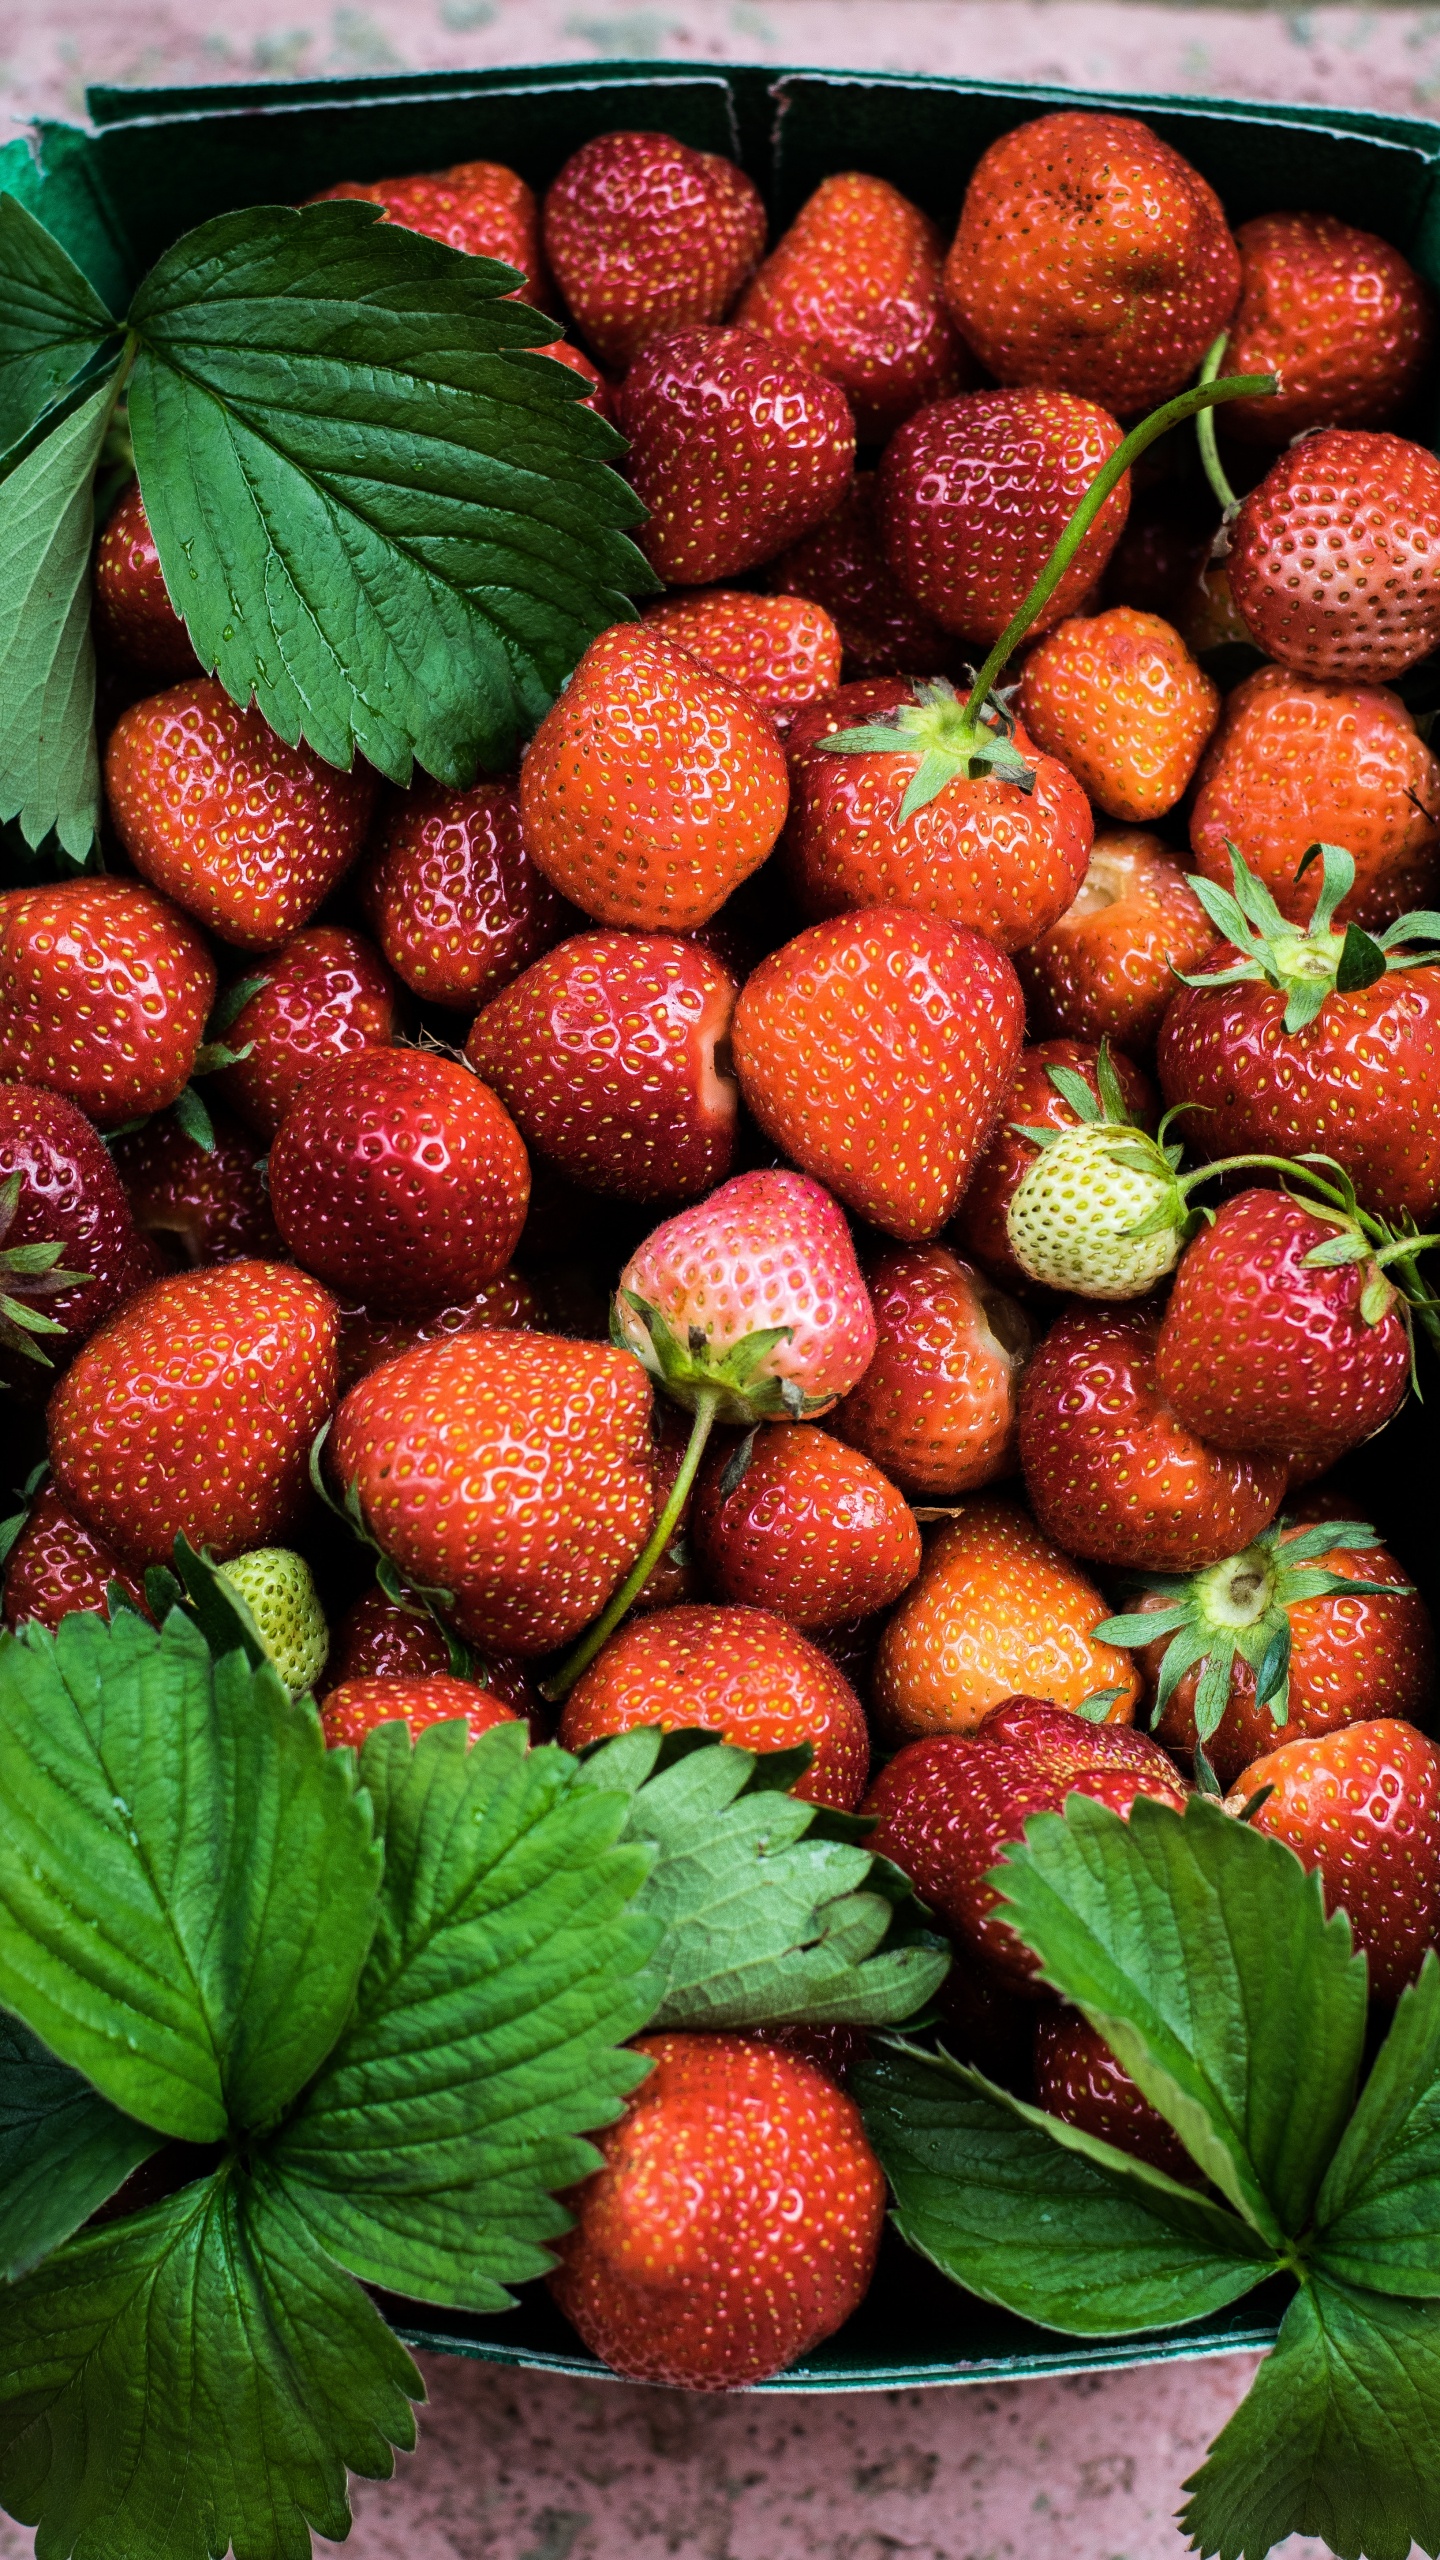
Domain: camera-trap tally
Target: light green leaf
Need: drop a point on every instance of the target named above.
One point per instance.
(1378, 2217)
(379, 512)
(52, 322)
(188, 1883)
(63, 2149)
(197, 2377)
(49, 765)
(507, 1970)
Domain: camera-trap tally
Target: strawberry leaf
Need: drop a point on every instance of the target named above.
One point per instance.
(52, 322)
(1361, 962)
(63, 2150)
(49, 765)
(1378, 2217)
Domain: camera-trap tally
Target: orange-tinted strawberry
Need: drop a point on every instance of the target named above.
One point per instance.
(453, 898)
(1363, 1806)
(995, 1603)
(736, 448)
(194, 1409)
(575, 360)
(1106, 970)
(1078, 2079)
(1034, 1100)
(198, 1204)
(974, 493)
(479, 206)
(1300, 760)
(936, 1407)
(1335, 559)
(133, 614)
(842, 566)
(353, 1708)
(1091, 258)
(781, 650)
(645, 235)
(653, 788)
(734, 2223)
(854, 289)
(510, 1469)
(105, 989)
(1342, 319)
(245, 833)
(803, 1525)
(1120, 700)
(57, 1565)
(368, 1337)
(876, 1050)
(323, 995)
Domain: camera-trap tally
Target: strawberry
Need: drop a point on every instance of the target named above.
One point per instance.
(453, 898)
(1091, 258)
(901, 797)
(133, 615)
(744, 1673)
(243, 832)
(369, 1338)
(1299, 760)
(1120, 700)
(323, 995)
(1363, 1807)
(1034, 1101)
(947, 1808)
(354, 1708)
(67, 1241)
(381, 1639)
(1101, 1209)
(1337, 314)
(606, 1053)
(645, 236)
(1106, 969)
(278, 1588)
(734, 2222)
(780, 650)
(736, 448)
(876, 1050)
(198, 1204)
(105, 989)
(936, 1407)
(1078, 2079)
(974, 493)
(194, 1409)
(1333, 558)
(510, 1471)
(853, 289)
(842, 566)
(575, 360)
(653, 788)
(796, 1522)
(56, 1564)
(995, 1603)
(478, 206)
(1112, 1473)
(398, 1178)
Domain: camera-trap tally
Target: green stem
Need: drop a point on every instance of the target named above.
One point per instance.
(562, 1681)
(1185, 1182)
(1205, 433)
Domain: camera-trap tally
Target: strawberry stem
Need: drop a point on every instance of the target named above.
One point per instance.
(1214, 469)
(561, 1682)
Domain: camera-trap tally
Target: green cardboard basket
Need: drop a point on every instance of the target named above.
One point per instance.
(161, 160)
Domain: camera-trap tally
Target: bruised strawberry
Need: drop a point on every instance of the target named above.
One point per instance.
(1119, 699)
(105, 990)
(133, 614)
(1106, 969)
(57, 1565)
(354, 1708)
(323, 995)
(479, 206)
(1363, 1807)
(1078, 2079)
(379, 1639)
(453, 898)
(1034, 1101)
(368, 1338)
(842, 566)
(780, 650)
(800, 1524)
(67, 1241)
(645, 235)
(936, 1407)
(1333, 559)
(1337, 314)
(198, 1204)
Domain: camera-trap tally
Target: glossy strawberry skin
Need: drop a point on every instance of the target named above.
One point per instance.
(605, 1052)
(1119, 698)
(780, 650)
(194, 1409)
(133, 614)
(369, 1337)
(508, 1468)
(946, 1809)
(453, 898)
(735, 2221)
(1337, 313)
(653, 788)
(70, 1195)
(246, 834)
(646, 236)
(853, 289)
(353, 1708)
(105, 989)
(378, 1640)
(57, 1565)
(842, 566)
(198, 1205)
(1091, 258)
(812, 1531)
(984, 853)
(399, 1179)
(1032, 1102)
(736, 449)
(936, 1407)
(876, 1050)
(1333, 559)
(1363, 1806)
(1078, 2079)
(326, 994)
(479, 206)
(1106, 969)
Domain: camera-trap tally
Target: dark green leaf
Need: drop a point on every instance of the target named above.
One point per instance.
(192, 1114)
(52, 322)
(380, 512)
(1361, 962)
(1378, 2217)
(63, 2149)
(49, 767)
(219, 1610)
(198, 2376)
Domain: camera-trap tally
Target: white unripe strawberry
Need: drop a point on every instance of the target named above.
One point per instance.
(1099, 1213)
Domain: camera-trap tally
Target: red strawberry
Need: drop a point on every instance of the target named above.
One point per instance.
(734, 2223)
(198, 1204)
(974, 493)
(105, 990)
(67, 1242)
(842, 566)
(509, 1470)
(398, 1178)
(653, 788)
(368, 1339)
(854, 290)
(354, 1708)
(478, 206)
(947, 1808)
(323, 995)
(736, 448)
(194, 1409)
(1034, 1101)
(1106, 969)
(1078, 2079)
(936, 1407)
(1091, 258)
(606, 1053)
(377, 1639)
(646, 235)
(1363, 1806)
(56, 1564)
(780, 650)
(243, 832)
(133, 613)
(1333, 559)
(1118, 697)
(575, 360)
(453, 898)
(876, 1050)
(803, 1525)
(1339, 315)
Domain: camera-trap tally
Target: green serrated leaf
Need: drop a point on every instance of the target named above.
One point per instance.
(1378, 2216)
(49, 764)
(52, 322)
(63, 2150)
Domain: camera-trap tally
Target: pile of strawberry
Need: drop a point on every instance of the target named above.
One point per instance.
(623, 1193)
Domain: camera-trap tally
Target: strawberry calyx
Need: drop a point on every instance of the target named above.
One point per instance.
(1307, 963)
(736, 1383)
(954, 740)
(27, 1272)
